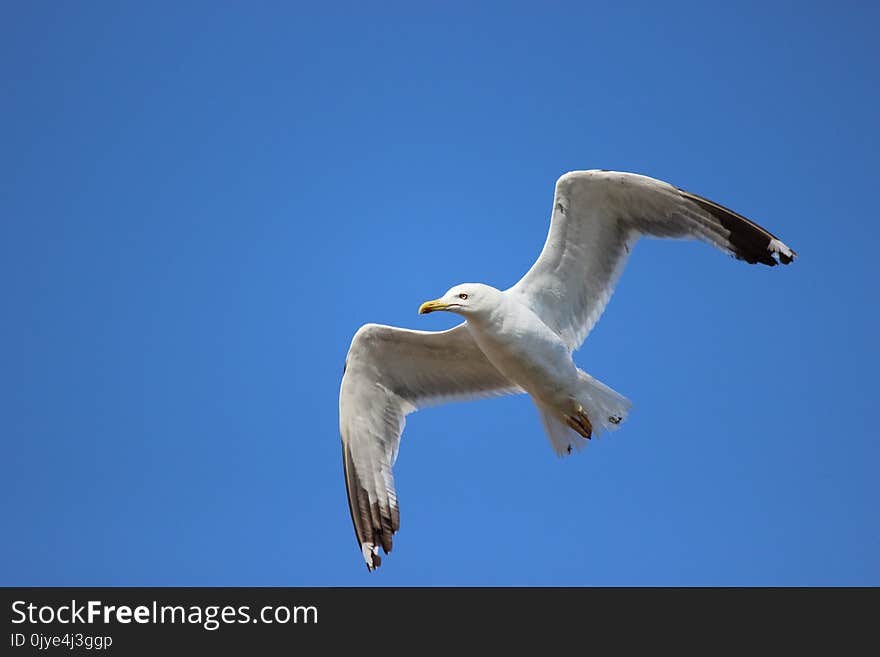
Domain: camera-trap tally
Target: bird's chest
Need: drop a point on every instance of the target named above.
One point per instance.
(525, 350)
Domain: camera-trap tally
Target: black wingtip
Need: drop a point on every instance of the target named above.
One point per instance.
(747, 240)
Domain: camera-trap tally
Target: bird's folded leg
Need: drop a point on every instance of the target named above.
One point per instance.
(580, 423)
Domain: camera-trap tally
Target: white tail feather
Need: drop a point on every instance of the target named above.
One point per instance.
(605, 408)
(563, 439)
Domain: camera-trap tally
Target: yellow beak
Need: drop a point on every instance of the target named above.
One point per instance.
(431, 306)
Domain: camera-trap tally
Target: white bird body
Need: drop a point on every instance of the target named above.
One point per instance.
(523, 348)
(533, 356)
(521, 339)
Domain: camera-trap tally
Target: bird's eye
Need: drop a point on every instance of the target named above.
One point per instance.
(462, 296)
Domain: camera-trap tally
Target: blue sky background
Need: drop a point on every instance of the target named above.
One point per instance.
(200, 203)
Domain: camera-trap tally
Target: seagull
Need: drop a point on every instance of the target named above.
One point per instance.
(520, 340)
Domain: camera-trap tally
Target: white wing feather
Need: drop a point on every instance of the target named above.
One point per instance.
(597, 217)
(389, 373)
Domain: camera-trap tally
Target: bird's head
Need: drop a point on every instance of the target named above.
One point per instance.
(467, 299)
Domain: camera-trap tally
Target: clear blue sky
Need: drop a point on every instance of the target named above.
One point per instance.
(202, 202)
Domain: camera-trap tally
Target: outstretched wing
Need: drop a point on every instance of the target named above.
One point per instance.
(389, 373)
(597, 217)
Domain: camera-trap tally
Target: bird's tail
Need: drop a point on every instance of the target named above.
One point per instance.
(605, 410)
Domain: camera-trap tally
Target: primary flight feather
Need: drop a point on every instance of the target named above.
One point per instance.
(520, 339)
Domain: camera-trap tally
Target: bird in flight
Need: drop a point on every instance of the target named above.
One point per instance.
(520, 340)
